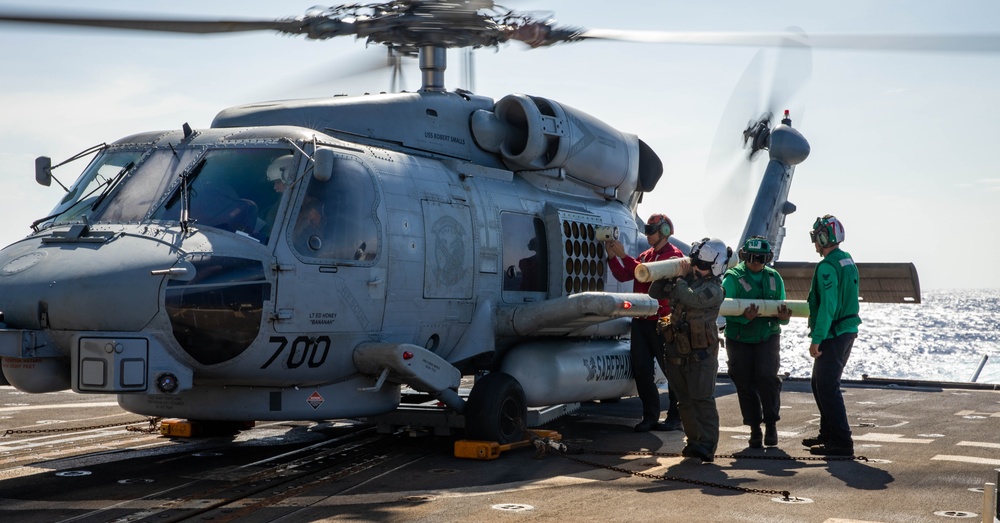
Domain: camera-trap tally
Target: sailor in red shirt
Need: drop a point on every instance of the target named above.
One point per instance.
(646, 344)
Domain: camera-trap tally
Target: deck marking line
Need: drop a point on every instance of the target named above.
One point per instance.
(978, 444)
(61, 406)
(890, 438)
(966, 459)
(977, 413)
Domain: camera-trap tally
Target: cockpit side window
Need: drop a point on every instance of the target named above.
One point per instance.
(336, 219)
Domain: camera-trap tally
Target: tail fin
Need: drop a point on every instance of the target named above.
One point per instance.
(767, 216)
(880, 282)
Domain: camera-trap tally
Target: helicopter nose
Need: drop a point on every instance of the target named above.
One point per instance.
(105, 285)
(214, 303)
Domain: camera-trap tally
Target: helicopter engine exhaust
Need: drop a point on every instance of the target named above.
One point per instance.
(536, 134)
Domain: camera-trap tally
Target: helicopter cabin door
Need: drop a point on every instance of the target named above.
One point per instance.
(336, 283)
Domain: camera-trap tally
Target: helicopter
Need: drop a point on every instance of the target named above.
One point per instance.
(309, 259)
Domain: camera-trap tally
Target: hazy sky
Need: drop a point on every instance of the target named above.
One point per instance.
(902, 142)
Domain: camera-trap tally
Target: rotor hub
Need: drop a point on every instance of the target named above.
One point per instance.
(757, 135)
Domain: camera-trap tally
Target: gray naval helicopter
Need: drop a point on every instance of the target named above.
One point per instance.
(311, 259)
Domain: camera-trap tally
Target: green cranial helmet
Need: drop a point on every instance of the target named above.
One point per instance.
(756, 249)
(827, 230)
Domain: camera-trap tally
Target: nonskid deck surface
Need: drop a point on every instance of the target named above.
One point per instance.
(929, 452)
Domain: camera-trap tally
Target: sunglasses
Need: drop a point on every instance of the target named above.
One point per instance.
(756, 258)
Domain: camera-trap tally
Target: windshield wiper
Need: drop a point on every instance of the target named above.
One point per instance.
(108, 185)
(34, 224)
(187, 179)
(111, 184)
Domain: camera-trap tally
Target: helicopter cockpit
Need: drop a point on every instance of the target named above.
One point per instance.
(224, 188)
(205, 211)
(227, 189)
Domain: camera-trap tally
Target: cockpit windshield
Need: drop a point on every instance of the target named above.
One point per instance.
(137, 195)
(79, 201)
(234, 189)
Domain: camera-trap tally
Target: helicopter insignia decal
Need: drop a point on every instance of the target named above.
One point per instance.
(449, 251)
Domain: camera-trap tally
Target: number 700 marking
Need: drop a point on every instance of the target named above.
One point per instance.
(311, 351)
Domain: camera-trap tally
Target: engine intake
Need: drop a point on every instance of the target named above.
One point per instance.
(534, 134)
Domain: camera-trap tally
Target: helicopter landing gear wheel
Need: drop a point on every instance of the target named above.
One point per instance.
(496, 410)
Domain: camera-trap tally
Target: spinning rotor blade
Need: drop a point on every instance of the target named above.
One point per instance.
(958, 43)
(481, 23)
(729, 170)
(169, 26)
(333, 76)
(770, 82)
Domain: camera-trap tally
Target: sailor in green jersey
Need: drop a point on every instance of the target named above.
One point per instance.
(753, 342)
(833, 327)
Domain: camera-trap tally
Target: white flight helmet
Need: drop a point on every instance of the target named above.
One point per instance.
(281, 169)
(711, 253)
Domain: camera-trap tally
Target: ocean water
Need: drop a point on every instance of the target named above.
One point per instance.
(942, 338)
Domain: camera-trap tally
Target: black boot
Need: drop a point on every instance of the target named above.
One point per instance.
(756, 438)
(770, 434)
(812, 442)
(668, 425)
(644, 425)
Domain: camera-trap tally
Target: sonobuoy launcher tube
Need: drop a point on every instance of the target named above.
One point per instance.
(660, 270)
(736, 306)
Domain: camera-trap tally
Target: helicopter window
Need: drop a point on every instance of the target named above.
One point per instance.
(231, 190)
(95, 180)
(524, 253)
(216, 315)
(337, 217)
(143, 188)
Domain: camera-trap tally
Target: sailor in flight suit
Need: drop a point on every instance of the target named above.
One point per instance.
(692, 343)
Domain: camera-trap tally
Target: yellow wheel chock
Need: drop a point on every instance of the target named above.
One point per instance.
(486, 450)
